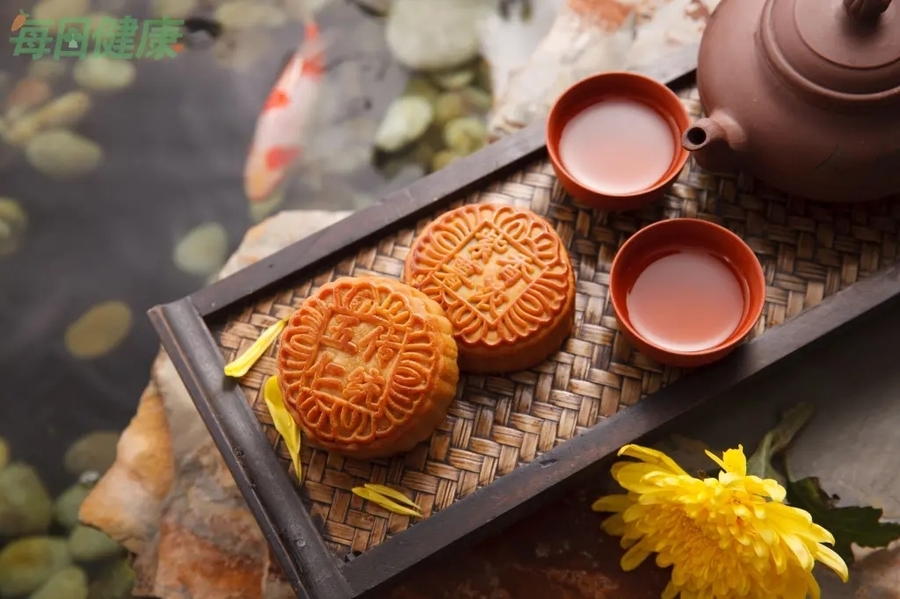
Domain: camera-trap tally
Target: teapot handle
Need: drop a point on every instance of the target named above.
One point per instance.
(866, 9)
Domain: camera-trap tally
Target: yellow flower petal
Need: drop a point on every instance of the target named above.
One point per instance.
(790, 518)
(834, 561)
(612, 503)
(284, 423)
(766, 487)
(820, 535)
(626, 542)
(617, 467)
(635, 513)
(727, 537)
(614, 525)
(388, 504)
(634, 557)
(635, 469)
(651, 456)
(636, 477)
(393, 494)
(813, 587)
(670, 592)
(733, 461)
(736, 461)
(243, 363)
(774, 490)
(716, 459)
(800, 551)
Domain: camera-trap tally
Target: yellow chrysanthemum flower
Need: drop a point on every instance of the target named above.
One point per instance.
(724, 538)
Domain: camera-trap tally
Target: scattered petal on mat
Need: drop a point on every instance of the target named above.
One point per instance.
(13, 223)
(284, 423)
(244, 362)
(388, 504)
(202, 251)
(393, 494)
(99, 330)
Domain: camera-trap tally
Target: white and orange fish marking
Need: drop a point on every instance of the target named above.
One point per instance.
(285, 118)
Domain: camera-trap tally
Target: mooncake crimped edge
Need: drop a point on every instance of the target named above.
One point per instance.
(443, 386)
(477, 358)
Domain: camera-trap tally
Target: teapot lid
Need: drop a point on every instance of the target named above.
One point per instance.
(846, 49)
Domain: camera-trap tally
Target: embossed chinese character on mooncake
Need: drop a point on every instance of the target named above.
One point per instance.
(505, 281)
(367, 367)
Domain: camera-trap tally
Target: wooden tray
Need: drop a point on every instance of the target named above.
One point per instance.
(509, 442)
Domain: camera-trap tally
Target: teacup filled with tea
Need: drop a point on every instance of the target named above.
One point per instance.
(614, 140)
(686, 292)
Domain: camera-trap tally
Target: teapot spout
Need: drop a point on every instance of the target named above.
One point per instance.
(715, 141)
(710, 130)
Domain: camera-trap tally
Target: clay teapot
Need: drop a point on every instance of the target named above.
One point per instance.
(803, 94)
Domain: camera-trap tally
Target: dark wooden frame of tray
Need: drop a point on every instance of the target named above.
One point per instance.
(308, 565)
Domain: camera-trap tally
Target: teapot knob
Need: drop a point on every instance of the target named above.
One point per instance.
(866, 9)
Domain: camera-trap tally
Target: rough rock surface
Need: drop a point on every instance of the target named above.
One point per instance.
(169, 497)
(591, 36)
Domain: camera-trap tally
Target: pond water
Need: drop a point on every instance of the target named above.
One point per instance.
(121, 187)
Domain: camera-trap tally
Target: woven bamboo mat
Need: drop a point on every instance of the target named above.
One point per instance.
(808, 250)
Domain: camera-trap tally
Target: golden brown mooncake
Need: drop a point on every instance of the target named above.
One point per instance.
(505, 281)
(367, 367)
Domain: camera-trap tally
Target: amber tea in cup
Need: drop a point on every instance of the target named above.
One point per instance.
(686, 301)
(685, 291)
(614, 140)
(617, 146)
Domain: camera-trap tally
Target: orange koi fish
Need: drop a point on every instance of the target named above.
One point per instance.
(285, 118)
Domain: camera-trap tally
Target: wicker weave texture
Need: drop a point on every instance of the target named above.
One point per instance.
(808, 250)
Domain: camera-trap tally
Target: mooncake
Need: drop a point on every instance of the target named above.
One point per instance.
(367, 367)
(505, 281)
